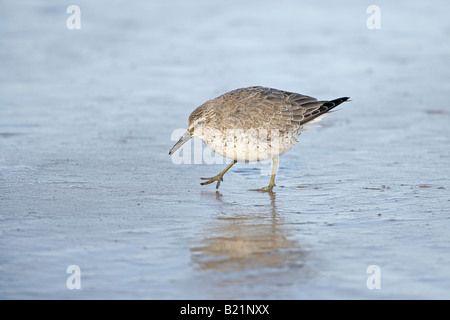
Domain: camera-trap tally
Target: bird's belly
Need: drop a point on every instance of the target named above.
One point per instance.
(252, 145)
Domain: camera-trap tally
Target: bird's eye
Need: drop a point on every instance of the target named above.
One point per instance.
(199, 122)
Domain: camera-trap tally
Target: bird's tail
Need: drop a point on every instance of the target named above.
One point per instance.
(318, 113)
(337, 101)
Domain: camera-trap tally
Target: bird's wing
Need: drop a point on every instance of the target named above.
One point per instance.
(268, 108)
(260, 107)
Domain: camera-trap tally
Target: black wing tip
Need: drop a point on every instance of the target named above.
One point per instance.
(334, 103)
(340, 100)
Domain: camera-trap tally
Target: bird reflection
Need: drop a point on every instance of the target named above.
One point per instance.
(249, 238)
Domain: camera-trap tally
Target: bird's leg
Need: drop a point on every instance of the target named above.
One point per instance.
(272, 178)
(219, 177)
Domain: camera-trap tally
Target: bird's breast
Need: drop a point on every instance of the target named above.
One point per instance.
(249, 144)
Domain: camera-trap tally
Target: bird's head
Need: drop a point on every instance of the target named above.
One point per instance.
(196, 120)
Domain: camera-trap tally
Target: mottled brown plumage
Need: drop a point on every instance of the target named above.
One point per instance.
(261, 107)
(254, 123)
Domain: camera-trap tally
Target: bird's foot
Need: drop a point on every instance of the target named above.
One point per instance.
(269, 188)
(217, 179)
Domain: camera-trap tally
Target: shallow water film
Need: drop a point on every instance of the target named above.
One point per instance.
(92, 98)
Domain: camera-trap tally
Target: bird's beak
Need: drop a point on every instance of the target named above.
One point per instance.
(180, 142)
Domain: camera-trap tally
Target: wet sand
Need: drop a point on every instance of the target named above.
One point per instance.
(86, 118)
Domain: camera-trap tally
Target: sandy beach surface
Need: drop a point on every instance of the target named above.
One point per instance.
(87, 117)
